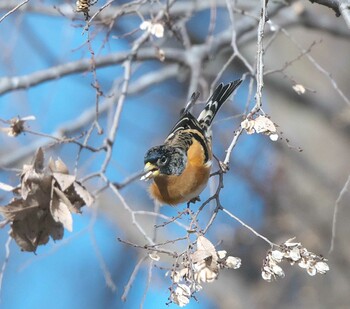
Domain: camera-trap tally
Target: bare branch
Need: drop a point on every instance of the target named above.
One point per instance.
(332, 4)
(335, 213)
(132, 277)
(259, 59)
(4, 264)
(106, 273)
(340, 7)
(344, 9)
(22, 82)
(88, 115)
(248, 227)
(13, 10)
(319, 67)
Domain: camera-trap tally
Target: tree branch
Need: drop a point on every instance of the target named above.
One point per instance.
(338, 6)
(13, 10)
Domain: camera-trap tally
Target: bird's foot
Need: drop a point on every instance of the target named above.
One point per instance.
(192, 201)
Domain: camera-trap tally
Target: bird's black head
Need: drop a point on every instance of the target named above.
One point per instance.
(164, 160)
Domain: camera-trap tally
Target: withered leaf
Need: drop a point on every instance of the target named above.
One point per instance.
(75, 200)
(205, 257)
(60, 212)
(31, 181)
(31, 231)
(17, 209)
(38, 162)
(83, 193)
(64, 180)
(263, 124)
(19, 233)
(57, 230)
(25, 184)
(64, 199)
(47, 197)
(200, 255)
(203, 244)
(58, 166)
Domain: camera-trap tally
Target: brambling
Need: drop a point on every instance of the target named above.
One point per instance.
(181, 166)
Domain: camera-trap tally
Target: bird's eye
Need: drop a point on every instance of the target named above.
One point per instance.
(163, 160)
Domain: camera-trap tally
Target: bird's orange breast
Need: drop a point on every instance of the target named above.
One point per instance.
(175, 189)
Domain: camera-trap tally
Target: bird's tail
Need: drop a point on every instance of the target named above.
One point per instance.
(217, 99)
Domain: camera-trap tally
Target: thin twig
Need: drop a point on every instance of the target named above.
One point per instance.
(153, 248)
(232, 145)
(290, 62)
(4, 264)
(335, 213)
(132, 214)
(132, 277)
(248, 227)
(13, 10)
(319, 67)
(171, 220)
(259, 58)
(106, 273)
(148, 284)
(128, 180)
(344, 9)
(88, 115)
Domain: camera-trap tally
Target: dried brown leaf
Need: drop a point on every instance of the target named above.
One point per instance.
(64, 199)
(200, 255)
(30, 232)
(33, 181)
(17, 209)
(57, 230)
(60, 213)
(47, 197)
(52, 165)
(203, 244)
(58, 166)
(64, 180)
(35, 229)
(19, 234)
(38, 162)
(75, 200)
(263, 124)
(83, 194)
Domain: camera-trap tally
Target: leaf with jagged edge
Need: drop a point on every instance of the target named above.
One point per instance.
(64, 199)
(205, 256)
(64, 180)
(83, 193)
(203, 244)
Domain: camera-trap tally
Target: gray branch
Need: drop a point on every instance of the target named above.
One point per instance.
(340, 7)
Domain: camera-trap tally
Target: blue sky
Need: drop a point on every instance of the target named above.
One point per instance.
(67, 274)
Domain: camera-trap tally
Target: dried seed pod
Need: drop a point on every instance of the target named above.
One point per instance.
(84, 6)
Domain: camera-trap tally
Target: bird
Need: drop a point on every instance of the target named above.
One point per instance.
(180, 168)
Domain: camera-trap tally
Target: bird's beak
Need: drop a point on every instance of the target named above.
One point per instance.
(150, 171)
